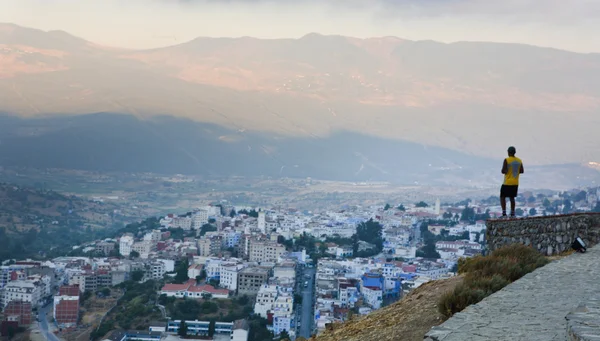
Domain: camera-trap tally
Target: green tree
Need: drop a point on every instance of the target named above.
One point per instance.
(401, 208)
(519, 212)
(568, 206)
(211, 328)
(531, 199)
(232, 213)
(284, 336)
(468, 214)
(182, 272)
(297, 299)
(105, 292)
(597, 208)
(182, 329)
(207, 228)
(370, 232)
(134, 254)
(387, 207)
(428, 251)
(546, 203)
(137, 275)
(421, 204)
(532, 211)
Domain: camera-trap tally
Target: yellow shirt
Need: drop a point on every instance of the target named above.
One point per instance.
(514, 165)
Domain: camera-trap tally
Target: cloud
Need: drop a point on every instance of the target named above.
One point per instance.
(152, 23)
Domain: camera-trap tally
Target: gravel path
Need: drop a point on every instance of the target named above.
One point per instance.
(532, 308)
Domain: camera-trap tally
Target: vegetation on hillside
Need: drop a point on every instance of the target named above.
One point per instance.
(484, 275)
(39, 223)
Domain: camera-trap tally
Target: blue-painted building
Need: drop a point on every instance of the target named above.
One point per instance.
(372, 280)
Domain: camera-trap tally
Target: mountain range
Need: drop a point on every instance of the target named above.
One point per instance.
(394, 98)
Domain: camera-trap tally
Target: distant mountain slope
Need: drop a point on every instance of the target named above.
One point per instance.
(110, 142)
(168, 145)
(476, 98)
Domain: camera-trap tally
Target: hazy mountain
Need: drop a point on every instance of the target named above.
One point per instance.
(164, 144)
(476, 98)
(110, 142)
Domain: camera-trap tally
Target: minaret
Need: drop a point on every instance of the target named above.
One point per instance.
(437, 206)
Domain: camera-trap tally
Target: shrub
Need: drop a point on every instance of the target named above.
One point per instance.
(484, 275)
(458, 299)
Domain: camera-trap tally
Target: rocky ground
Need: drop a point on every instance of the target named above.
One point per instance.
(408, 319)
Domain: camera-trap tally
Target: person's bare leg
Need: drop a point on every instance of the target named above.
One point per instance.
(503, 204)
(512, 207)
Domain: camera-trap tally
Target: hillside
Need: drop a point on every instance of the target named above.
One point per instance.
(408, 319)
(36, 222)
(462, 96)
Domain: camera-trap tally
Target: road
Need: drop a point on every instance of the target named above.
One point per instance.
(307, 310)
(43, 324)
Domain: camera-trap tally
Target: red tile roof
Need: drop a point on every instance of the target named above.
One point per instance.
(176, 287)
(209, 289)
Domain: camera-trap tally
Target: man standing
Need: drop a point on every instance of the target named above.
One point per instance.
(512, 168)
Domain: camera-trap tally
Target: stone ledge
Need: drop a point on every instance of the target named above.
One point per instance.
(583, 323)
(546, 217)
(550, 235)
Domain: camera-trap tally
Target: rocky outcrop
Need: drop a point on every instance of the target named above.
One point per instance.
(550, 235)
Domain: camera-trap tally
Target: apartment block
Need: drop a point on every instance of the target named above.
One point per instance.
(199, 218)
(229, 275)
(26, 291)
(104, 248)
(265, 251)
(125, 244)
(251, 279)
(19, 311)
(66, 311)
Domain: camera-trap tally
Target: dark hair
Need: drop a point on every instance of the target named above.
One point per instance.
(512, 150)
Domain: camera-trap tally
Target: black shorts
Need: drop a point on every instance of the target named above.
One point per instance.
(507, 191)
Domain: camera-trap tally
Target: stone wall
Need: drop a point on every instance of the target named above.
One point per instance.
(550, 235)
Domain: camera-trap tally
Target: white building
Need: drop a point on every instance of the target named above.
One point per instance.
(373, 296)
(264, 300)
(213, 268)
(26, 291)
(262, 223)
(157, 270)
(240, 331)
(265, 251)
(195, 270)
(184, 223)
(204, 246)
(199, 218)
(125, 244)
(153, 237)
(229, 275)
(169, 264)
(143, 248)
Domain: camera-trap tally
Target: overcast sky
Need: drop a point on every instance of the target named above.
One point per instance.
(566, 24)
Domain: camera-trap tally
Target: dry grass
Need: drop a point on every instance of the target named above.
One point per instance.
(484, 275)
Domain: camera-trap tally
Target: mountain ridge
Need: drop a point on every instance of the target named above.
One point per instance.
(463, 96)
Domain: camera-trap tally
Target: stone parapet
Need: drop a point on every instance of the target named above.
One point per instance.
(550, 234)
